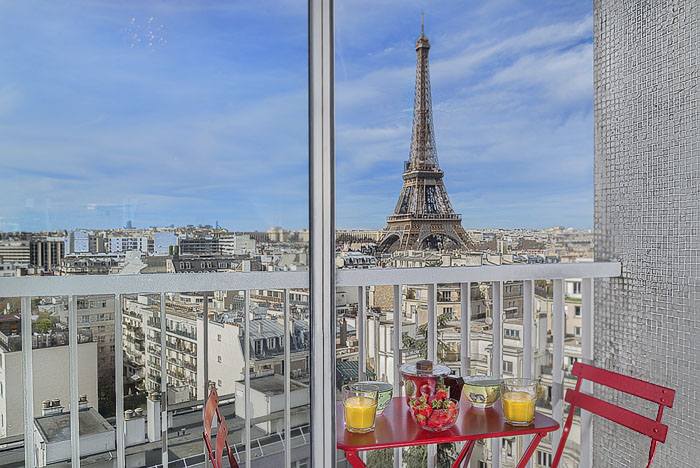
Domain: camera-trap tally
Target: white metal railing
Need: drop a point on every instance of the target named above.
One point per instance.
(74, 286)
(496, 275)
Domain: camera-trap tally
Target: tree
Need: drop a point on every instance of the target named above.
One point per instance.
(420, 342)
(380, 458)
(417, 456)
(44, 322)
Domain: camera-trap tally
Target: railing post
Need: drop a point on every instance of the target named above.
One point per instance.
(398, 317)
(205, 365)
(361, 329)
(432, 352)
(163, 381)
(528, 342)
(322, 233)
(287, 384)
(119, 379)
(465, 298)
(497, 356)
(28, 381)
(246, 374)
(73, 378)
(587, 316)
(558, 358)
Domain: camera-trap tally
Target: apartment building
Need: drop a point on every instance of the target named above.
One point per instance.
(15, 251)
(50, 368)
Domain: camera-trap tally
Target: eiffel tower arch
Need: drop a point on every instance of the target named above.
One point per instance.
(423, 218)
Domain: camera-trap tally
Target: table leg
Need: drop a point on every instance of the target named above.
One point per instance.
(465, 454)
(354, 460)
(531, 449)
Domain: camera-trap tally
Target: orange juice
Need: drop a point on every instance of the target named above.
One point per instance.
(518, 407)
(359, 413)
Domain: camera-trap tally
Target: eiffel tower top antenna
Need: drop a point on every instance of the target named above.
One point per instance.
(422, 25)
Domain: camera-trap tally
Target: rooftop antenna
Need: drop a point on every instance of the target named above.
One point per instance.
(422, 25)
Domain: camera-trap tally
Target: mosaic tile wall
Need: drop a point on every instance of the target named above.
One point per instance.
(647, 215)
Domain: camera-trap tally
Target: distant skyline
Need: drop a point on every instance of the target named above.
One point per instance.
(173, 113)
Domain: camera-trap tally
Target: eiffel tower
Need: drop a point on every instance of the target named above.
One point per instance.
(423, 218)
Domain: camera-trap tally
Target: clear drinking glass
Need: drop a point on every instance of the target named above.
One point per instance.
(360, 401)
(518, 397)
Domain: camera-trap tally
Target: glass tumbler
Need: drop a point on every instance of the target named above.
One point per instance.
(360, 402)
(518, 397)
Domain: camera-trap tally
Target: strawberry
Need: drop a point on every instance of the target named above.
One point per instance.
(450, 405)
(426, 411)
(441, 395)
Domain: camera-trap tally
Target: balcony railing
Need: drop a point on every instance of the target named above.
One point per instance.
(30, 287)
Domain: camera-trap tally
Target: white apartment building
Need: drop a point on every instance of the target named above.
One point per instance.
(226, 356)
(142, 346)
(128, 244)
(51, 370)
(18, 252)
(237, 244)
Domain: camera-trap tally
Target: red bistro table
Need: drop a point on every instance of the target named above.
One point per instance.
(396, 428)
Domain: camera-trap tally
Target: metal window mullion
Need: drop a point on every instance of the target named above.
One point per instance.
(73, 377)
(361, 328)
(558, 358)
(465, 298)
(528, 341)
(119, 380)
(322, 232)
(497, 356)
(287, 384)
(396, 345)
(28, 382)
(246, 398)
(163, 381)
(587, 316)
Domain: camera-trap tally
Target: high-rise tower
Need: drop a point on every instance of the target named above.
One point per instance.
(423, 217)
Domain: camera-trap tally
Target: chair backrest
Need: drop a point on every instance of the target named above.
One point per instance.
(211, 409)
(655, 393)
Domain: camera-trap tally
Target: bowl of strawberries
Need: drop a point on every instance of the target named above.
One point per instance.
(435, 413)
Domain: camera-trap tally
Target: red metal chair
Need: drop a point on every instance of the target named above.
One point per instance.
(652, 428)
(211, 409)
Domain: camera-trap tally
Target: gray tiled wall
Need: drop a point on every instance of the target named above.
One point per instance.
(647, 215)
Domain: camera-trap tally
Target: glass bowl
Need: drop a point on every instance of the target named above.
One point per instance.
(434, 415)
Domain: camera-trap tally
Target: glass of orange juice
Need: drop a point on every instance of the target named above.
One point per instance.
(518, 397)
(360, 401)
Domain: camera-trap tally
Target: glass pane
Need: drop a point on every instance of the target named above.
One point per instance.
(11, 383)
(156, 138)
(463, 134)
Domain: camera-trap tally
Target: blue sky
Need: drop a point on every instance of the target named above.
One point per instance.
(182, 112)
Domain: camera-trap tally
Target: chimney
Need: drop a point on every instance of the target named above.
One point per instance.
(83, 402)
(153, 416)
(134, 427)
(343, 333)
(49, 407)
(260, 326)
